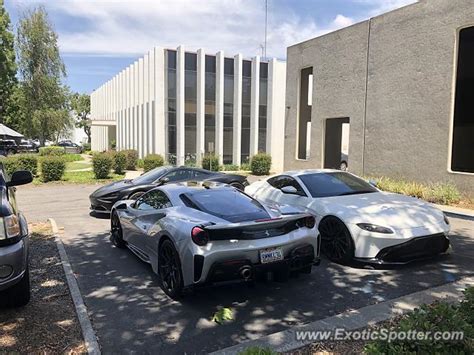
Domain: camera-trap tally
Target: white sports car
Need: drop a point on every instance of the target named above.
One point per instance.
(358, 222)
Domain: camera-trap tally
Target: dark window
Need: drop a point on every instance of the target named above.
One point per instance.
(335, 184)
(171, 59)
(263, 70)
(179, 175)
(153, 200)
(150, 176)
(304, 112)
(228, 66)
(190, 61)
(190, 94)
(282, 181)
(229, 204)
(210, 64)
(246, 68)
(462, 158)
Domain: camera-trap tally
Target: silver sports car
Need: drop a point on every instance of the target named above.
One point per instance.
(200, 233)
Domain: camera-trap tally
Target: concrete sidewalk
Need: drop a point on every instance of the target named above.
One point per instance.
(457, 211)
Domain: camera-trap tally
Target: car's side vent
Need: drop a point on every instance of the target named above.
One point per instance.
(198, 264)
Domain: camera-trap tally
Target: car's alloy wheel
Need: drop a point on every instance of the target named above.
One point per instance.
(116, 233)
(237, 185)
(169, 269)
(336, 241)
(19, 294)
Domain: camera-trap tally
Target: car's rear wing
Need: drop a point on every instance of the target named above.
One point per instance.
(261, 228)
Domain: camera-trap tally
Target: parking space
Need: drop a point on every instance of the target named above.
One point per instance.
(130, 313)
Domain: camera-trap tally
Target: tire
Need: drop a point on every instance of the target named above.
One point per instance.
(169, 270)
(306, 269)
(237, 185)
(136, 195)
(10, 152)
(336, 241)
(116, 233)
(343, 166)
(19, 294)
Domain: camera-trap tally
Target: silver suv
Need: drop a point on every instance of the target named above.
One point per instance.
(14, 272)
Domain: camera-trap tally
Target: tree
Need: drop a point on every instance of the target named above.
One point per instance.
(81, 105)
(8, 80)
(41, 70)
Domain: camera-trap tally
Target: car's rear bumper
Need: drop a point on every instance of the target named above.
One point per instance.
(13, 262)
(415, 249)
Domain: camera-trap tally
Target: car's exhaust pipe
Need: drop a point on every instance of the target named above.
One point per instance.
(246, 273)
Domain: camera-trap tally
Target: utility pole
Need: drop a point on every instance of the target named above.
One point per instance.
(266, 18)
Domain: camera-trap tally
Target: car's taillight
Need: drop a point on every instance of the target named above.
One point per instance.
(309, 222)
(199, 236)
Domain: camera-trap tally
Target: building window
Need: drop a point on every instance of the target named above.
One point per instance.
(262, 110)
(190, 95)
(462, 158)
(171, 104)
(228, 109)
(210, 104)
(246, 100)
(304, 117)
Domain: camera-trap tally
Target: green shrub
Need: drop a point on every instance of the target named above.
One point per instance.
(230, 167)
(120, 162)
(260, 164)
(14, 163)
(436, 317)
(132, 159)
(152, 161)
(86, 147)
(190, 162)
(443, 193)
(52, 150)
(210, 162)
(52, 168)
(245, 167)
(102, 163)
(140, 164)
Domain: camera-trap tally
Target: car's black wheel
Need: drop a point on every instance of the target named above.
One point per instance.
(136, 195)
(336, 241)
(10, 152)
(19, 294)
(343, 166)
(237, 185)
(169, 270)
(116, 233)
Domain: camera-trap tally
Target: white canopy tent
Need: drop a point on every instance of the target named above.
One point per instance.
(6, 132)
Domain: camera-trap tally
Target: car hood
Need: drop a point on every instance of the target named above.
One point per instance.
(113, 187)
(381, 208)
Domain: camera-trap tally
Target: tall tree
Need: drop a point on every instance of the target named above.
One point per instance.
(7, 64)
(81, 105)
(41, 71)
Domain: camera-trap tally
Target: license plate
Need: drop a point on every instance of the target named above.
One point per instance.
(271, 255)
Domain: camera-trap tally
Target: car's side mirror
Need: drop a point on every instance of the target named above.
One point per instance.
(163, 181)
(373, 183)
(291, 190)
(121, 207)
(20, 177)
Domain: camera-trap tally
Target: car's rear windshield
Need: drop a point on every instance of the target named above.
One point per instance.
(335, 184)
(229, 204)
(150, 176)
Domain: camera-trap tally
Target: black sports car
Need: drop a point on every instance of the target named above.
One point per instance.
(104, 198)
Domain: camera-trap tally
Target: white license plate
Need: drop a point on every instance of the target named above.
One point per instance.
(271, 255)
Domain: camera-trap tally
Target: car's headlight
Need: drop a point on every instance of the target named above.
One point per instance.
(446, 220)
(374, 228)
(9, 227)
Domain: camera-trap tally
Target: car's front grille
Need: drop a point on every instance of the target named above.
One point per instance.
(417, 248)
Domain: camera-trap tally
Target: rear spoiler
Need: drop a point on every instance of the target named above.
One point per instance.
(257, 229)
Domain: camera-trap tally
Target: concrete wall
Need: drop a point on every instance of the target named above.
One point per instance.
(402, 128)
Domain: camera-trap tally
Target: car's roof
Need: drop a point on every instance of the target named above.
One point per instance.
(294, 173)
(192, 186)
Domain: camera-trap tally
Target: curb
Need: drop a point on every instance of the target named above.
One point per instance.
(456, 212)
(88, 333)
(285, 341)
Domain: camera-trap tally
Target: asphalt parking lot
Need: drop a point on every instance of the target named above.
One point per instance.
(129, 311)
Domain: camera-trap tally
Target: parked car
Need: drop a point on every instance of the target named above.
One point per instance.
(357, 221)
(199, 233)
(8, 147)
(28, 146)
(70, 147)
(104, 198)
(14, 271)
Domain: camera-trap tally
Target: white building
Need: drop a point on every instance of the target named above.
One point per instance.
(184, 104)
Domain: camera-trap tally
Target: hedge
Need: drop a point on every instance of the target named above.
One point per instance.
(102, 163)
(21, 162)
(260, 164)
(132, 158)
(52, 168)
(210, 162)
(120, 162)
(152, 161)
(52, 150)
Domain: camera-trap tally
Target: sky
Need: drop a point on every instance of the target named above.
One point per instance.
(99, 38)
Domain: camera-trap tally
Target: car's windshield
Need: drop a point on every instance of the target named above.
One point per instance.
(151, 176)
(335, 184)
(229, 204)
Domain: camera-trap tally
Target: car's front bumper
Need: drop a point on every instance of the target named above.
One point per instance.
(13, 262)
(99, 205)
